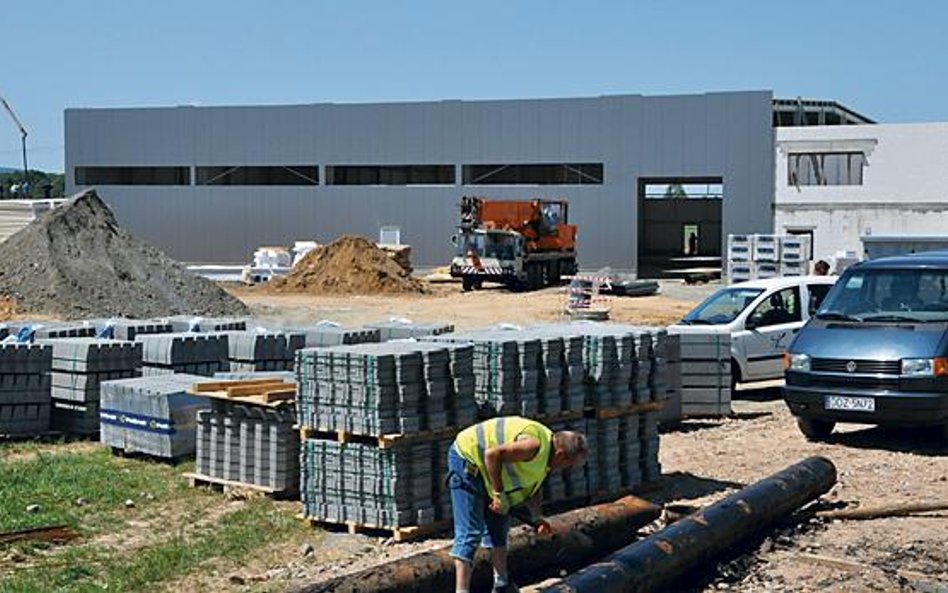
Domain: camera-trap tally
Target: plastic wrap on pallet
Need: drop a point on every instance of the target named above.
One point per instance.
(151, 415)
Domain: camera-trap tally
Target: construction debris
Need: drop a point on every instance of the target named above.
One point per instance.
(348, 265)
(53, 533)
(655, 563)
(883, 511)
(76, 261)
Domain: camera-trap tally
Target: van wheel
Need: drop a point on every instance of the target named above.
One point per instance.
(815, 430)
(735, 375)
(467, 283)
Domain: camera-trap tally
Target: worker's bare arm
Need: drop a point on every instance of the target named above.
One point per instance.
(523, 449)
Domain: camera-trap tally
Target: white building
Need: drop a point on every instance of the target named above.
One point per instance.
(840, 183)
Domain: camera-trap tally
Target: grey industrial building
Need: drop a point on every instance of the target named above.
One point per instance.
(210, 184)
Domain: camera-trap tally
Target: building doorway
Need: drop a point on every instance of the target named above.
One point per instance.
(679, 224)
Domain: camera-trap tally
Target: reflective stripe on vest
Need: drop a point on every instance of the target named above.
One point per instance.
(520, 479)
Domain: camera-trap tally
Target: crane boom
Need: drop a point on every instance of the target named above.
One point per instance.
(23, 135)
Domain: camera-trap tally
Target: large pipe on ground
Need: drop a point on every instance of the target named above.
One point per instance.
(655, 562)
(580, 536)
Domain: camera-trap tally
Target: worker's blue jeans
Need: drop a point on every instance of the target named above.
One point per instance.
(473, 522)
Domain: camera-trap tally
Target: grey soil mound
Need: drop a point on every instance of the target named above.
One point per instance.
(76, 261)
(348, 265)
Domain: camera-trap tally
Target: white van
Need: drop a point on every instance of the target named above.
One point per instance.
(762, 316)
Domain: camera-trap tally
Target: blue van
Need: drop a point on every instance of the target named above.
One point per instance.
(876, 351)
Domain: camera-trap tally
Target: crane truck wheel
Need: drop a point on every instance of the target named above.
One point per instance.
(467, 283)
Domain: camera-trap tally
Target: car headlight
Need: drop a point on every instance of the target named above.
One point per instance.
(797, 362)
(925, 367)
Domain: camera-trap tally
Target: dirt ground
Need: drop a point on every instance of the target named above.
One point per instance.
(703, 461)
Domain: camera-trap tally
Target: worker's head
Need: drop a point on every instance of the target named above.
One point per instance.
(569, 449)
(821, 268)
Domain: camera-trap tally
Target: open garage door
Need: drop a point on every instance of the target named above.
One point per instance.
(679, 224)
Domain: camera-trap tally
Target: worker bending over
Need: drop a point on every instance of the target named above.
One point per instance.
(493, 466)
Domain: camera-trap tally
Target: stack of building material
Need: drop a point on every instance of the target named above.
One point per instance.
(64, 330)
(649, 466)
(185, 323)
(262, 351)
(402, 329)
(79, 367)
(377, 389)
(750, 257)
(398, 406)
(670, 414)
(128, 329)
(705, 374)
(331, 334)
(151, 415)
(289, 376)
(254, 445)
(571, 484)
(25, 389)
(189, 353)
(507, 367)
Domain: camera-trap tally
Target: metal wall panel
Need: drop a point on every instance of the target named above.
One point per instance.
(716, 134)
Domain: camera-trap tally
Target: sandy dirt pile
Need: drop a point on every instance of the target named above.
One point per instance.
(348, 265)
(76, 261)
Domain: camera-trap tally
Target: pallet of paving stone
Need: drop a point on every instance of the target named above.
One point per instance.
(403, 330)
(606, 413)
(263, 391)
(385, 441)
(196, 480)
(397, 534)
(129, 329)
(263, 351)
(185, 323)
(154, 416)
(331, 334)
(183, 353)
(94, 355)
(65, 330)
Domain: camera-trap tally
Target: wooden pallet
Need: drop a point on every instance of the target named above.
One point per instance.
(605, 413)
(196, 480)
(397, 534)
(384, 441)
(560, 416)
(272, 392)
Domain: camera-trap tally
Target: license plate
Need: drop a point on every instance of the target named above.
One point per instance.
(849, 403)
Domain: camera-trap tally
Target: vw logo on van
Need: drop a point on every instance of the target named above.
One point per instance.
(851, 366)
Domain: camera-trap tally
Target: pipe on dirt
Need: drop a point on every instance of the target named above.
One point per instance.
(580, 536)
(655, 562)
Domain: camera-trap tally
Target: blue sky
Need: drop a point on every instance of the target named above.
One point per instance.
(885, 59)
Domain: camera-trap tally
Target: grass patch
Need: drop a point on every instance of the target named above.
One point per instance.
(55, 481)
(233, 537)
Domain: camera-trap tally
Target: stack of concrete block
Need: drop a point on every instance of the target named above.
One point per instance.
(649, 465)
(25, 389)
(243, 375)
(750, 257)
(65, 330)
(376, 389)
(398, 329)
(507, 366)
(129, 329)
(154, 416)
(79, 367)
(190, 353)
(331, 334)
(571, 484)
(670, 414)
(184, 323)
(262, 351)
(250, 444)
(705, 374)
(372, 486)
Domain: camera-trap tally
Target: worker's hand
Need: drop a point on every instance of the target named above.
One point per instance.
(500, 504)
(544, 529)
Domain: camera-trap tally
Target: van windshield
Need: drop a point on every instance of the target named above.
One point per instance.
(907, 295)
(722, 307)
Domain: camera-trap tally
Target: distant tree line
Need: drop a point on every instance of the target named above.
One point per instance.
(41, 184)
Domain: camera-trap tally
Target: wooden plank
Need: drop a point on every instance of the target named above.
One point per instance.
(398, 534)
(196, 480)
(223, 385)
(258, 389)
(53, 533)
(284, 394)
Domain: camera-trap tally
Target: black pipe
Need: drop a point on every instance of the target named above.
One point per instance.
(655, 562)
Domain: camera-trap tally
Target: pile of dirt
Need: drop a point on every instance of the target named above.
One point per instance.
(7, 308)
(348, 265)
(75, 261)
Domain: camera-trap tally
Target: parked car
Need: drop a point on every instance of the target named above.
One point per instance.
(876, 351)
(762, 317)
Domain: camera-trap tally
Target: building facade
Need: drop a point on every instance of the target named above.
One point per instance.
(841, 183)
(210, 184)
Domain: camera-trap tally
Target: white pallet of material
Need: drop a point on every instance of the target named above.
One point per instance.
(767, 269)
(766, 248)
(795, 248)
(800, 268)
(740, 247)
(740, 271)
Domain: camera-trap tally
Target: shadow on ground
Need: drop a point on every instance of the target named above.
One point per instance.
(920, 441)
(687, 486)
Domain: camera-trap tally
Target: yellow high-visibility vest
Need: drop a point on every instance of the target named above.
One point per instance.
(520, 479)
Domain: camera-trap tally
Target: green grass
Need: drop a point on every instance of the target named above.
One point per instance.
(56, 481)
(234, 537)
(163, 550)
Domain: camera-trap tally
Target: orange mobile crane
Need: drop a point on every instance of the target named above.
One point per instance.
(524, 244)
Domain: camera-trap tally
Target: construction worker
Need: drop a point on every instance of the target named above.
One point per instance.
(493, 466)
